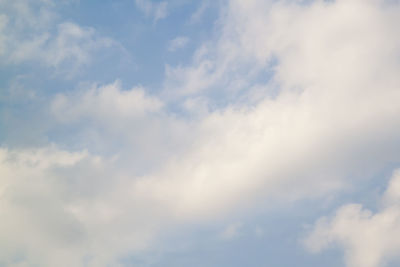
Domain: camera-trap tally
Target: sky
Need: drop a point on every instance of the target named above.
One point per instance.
(189, 133)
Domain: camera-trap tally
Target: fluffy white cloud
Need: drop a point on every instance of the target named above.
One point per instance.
(330, 106)
(304, 45)
(131, 124)
(368, 239)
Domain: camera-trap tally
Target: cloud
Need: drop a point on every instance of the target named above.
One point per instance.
(60, 45)
(104, 104)
(369, 239)
(155, 10)
(34, 221)
(327, 109)
(178, 43)
(36, 15)
(200, 11)
(69, 209)
(295, 99)
(72, 44)
(256, 36)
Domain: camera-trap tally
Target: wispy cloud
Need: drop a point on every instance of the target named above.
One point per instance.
(71, 44)
(178, 43)
(64, 46)
(154, 10)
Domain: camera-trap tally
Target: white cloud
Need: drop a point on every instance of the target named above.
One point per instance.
(72, 45)
(62, 45)
(324, 123)
(368, 239)
(64, 209)
(336, 108)
(104, 104)
(130, 123)
(155, 10)
(178, 43)
(35, 15)
(34, 221)
(255, 34)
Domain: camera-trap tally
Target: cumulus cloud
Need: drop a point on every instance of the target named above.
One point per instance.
(283, 37)
(336, 108)
(369, 239)
(130, 123)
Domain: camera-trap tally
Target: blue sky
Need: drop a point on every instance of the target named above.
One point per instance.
(199, 133)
